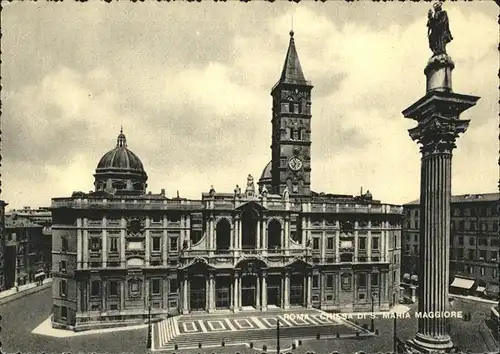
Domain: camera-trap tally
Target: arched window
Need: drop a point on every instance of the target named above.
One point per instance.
(274, 235)
(223, 235)
(249, 220)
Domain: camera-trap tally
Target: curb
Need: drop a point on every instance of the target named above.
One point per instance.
(24, 293)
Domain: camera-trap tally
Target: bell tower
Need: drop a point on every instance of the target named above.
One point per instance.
(291, 128)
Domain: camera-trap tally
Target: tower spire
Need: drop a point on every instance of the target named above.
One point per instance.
(292, 70)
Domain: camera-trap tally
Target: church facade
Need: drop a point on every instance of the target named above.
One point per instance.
(120, 249)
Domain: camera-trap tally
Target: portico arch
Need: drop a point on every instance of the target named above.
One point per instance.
(223, 235)
(274, 235)
(249, 219)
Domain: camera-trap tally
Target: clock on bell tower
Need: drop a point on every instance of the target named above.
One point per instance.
(291, 128)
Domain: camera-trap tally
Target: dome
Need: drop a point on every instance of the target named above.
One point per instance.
(120, 157)
(120, 171)
(266, 173)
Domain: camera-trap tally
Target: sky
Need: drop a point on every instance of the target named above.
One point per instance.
(190, 84)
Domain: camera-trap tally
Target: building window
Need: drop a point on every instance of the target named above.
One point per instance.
(415, 249)
(493, 255)
(64, 312)
(472, 226)
(416, 224)
(95, 244)
(156, 244)
(415, 238)
(483, 241)
(460, 240)
(329, 281)
(62, 266)
(375, 244)
(467, 212)
(460, 253)
(113, 288)
(484, 226)
(63, 288)
(362, 280)
(156, 218)
(408, 226)
(471, 241)
(362, 243)
(416, 213)
(155, 286)
(452, 224)
(113, 307)
(174, 217)
(173, 244)
(471, 254)
(95, 288)
(494, 226)
(495, 273)
(407, 248)
(316, 243)
(361, 296)
(374, 279)
(315, 281)
(64, 244)
(461, 225)
(330, 243)
(172, 286)
(113, 244)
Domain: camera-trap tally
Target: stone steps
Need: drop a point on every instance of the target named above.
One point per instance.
(245, 337)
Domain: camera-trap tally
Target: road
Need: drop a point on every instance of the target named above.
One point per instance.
(21, 316)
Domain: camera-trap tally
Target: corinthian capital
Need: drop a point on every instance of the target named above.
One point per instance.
(437, 133)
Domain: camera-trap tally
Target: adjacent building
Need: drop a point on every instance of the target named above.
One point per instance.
(2, 244)
(474, 252)
(119, 249)
(27, 251)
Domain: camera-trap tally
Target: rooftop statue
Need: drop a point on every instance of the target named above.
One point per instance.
(438, 29)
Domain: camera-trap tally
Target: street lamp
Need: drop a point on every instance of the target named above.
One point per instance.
(372, 325)
(148, 345)
(278, 336)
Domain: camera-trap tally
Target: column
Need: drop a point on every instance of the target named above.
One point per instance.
(212, 292)
(122, 295)
(264, 291)
(79, 249)
(369, 244)
(240, 234)
(164, 293)
(438, 126)
(309, 290)
(122, 244)
(147, 289)
(164, 245)
(286, 234)
(236, 295)
(356, 244)
(287, 292)
(304, 237)
(85, 259)
(104, 243)
(208, 293)
(264, 235)
(259, 236)
(147, 245)
(257, 291)
(231, 238)
(185, 306)
(104, 296)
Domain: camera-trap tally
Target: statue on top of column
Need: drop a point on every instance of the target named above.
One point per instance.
(438, 29)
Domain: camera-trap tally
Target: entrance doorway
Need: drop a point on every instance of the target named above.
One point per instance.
(297, 290)
(222, 292)
(248, 290)
(198, 293)
(274, 290)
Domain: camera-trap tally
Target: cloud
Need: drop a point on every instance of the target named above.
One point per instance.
(192, 93)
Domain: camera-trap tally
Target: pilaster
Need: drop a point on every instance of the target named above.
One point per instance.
(104, 243)
(185, 305)
(309, 290)
(122, 295)
(287, 291)
(122, 242)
